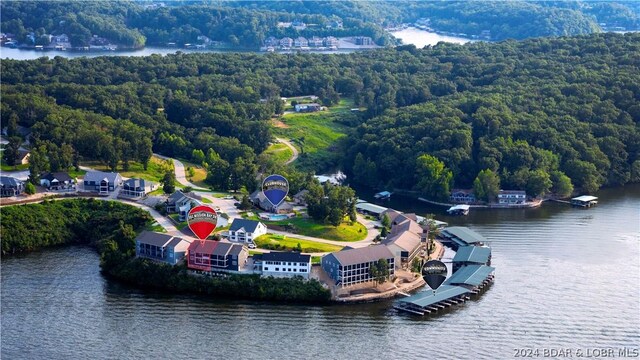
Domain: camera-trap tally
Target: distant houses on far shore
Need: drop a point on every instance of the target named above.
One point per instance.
(286, 43)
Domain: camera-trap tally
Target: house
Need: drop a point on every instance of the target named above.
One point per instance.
(404, 246)
(260, 200)
(102, 182)
(180, 203)
(464, 196)
(214, 256)
(300, 42)
(10, 186)
(316, 42)
(62, 38)
(349, 267)
(137, 187)
(298, 25)
(300, 197)
(364, 40)
(243, 230)
(161, 247)
(331, 41)
(511, 197)
(308, 107)
(57, 181)
(403, 223)
(23, 156)
(334, 24)
(271, 41)
(283, 264)
(286, 42)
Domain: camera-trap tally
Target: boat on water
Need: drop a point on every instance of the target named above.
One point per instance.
(461, 209)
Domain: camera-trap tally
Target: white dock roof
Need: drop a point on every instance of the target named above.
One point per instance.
(585, 198)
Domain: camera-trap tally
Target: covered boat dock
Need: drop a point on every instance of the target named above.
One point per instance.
(472, 277)
(458, 236)
(428, 302)
(459, 210)
(584, 201)
(471, 255)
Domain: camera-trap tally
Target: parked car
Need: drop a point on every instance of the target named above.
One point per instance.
(251, 246)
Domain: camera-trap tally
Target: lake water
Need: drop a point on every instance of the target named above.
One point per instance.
(422, 38)
(565, 278)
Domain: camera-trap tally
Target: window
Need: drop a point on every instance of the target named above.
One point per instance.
(277, 269)
(303, 270)
(266, 268)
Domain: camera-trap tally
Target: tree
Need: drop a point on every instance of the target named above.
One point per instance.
(12, 125)
(187, 189)
(197, 156)
(168, 182)
(416, 265)
(12, 151)
(379, 271)
(38, 163)
(245, 204)
(190, 172)
(486, 186)
(386, 221)
(29, 188)
(538, 183)
(432, 177)
(562, 186)
(384, 232)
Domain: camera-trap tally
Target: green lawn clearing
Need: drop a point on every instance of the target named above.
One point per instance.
(309, 227)
(200, 174)
(279, 152)
(282, 242)
(20, 167)
(155, 169)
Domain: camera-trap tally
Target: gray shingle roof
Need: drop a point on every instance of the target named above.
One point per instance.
(97, 176)
(157, 239)
(60, 176)
(248, 225)
(362, 255)
(286, 256)
(9, 181)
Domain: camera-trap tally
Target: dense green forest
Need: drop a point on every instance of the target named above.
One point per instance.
(533, 112)
(246, 24)
(79, 221)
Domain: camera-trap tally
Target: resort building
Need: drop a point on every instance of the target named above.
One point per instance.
(211, 256)
(349, 267)
(10, 186)
(243, 230)
(404, 246)
(137, 187)
(283, 264)
(364, 40)
(102, 182)
(300, 42)
(315, 42)
(512, 197)
(161, 247)
(286, 42)
(57, 181)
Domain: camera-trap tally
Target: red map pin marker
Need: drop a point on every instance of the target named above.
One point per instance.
(202, 221)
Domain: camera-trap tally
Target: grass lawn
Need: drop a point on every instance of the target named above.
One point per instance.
(20, 167)
(76, 173)
(156, 227)
(316, 134)
(279, 152)
(155, 170)
(206, 201)
(270, 241)
(309, 227)
(316, 259)
(198, 177)
(181, 224)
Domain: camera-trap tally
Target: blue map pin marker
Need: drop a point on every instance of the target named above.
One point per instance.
(275, 188)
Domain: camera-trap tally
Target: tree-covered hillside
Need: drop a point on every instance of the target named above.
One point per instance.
(531, 112)
(245, 24)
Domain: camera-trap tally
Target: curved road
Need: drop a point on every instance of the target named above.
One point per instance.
(181, 176)
(293, 148)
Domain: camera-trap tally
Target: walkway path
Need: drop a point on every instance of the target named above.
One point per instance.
(181, 176)
(293, 148)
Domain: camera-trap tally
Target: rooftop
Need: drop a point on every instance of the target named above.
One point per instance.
(98, 176)
(362, 255)
(372, 208)
(158, 239)
(286, 256)
(462, 235)
(9, 181)
(584, 198)
(247, 225)
(472, 275)
(426, 298)
(60, 176)
(474, 254)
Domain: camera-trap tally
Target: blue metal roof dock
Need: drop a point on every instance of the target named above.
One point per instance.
(461, 236)
(472, 254)
(472, 275)
(428, 301)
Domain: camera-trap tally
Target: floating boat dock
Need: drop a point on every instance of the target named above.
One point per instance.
(584, 201)
(471, 274)
(461, 209)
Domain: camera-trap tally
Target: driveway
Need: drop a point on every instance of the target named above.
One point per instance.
(181, 176)
(293, 148)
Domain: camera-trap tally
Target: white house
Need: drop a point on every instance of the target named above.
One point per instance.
(285, 264)
(243, 230)
(512, 197)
